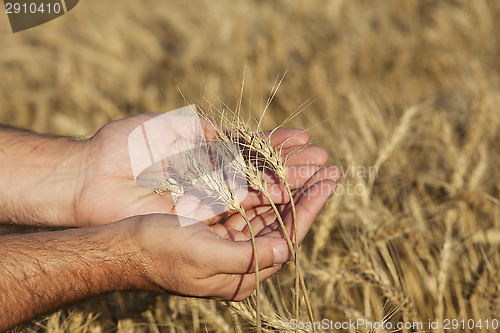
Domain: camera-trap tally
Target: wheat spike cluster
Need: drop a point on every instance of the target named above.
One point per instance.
(222, 153)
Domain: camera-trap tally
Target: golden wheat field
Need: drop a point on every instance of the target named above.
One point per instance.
(404, 95)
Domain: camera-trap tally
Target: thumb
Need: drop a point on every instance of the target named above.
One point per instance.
(237, 257)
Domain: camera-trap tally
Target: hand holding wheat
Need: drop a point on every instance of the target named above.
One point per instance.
(108, 190)
(217, 261)
(201, 180)
(154, 252)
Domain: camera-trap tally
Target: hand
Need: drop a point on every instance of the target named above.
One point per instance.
(110, 193)
(44, 271)
(216, 261)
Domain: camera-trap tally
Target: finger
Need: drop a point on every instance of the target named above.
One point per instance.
(298, 175)
(233, 226)
(332, 173)
(287, 137)
(248, 286)
(305, 155)
(230, 257)
(237, 287)
(236, 222)
(250, 198)
(309, 200)
(308, 207)
(267, 215)
(226, 232)
(269, 228)
(278, 192)
(313, 189)
(263, 223)
(240, 287)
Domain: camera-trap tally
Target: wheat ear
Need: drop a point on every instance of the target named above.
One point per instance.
(272, 158)
(224, 195)
(256, 182)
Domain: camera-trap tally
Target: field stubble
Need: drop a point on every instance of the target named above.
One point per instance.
(406, 100)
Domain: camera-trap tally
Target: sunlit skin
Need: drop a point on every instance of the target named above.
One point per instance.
(88, 184)
(109, 188)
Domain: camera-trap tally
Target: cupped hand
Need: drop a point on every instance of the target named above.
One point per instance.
(110, 192)
(183, 256)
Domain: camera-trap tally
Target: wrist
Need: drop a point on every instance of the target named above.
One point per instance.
(118, 266)
(41, 272)
(136, 261)
(148, 254)
(41, 178)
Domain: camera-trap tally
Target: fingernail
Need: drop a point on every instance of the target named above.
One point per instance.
(280, 254)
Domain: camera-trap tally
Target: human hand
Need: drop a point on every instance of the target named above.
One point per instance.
(110, 192)
(149, 252)
(216, 261)
(57, 181)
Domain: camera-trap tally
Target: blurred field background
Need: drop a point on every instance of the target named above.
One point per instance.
(410, 88)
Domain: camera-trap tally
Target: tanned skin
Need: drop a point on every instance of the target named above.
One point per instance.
(88, 185)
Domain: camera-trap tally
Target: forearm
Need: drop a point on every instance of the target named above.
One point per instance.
(45, 271)
(39, 177)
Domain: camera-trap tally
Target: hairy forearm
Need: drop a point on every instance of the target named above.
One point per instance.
(39, 177)
(45, 271)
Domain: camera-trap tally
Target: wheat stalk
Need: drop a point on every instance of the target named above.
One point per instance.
(260, 152)
(214, 182)
(256, 182)
(272, 157)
